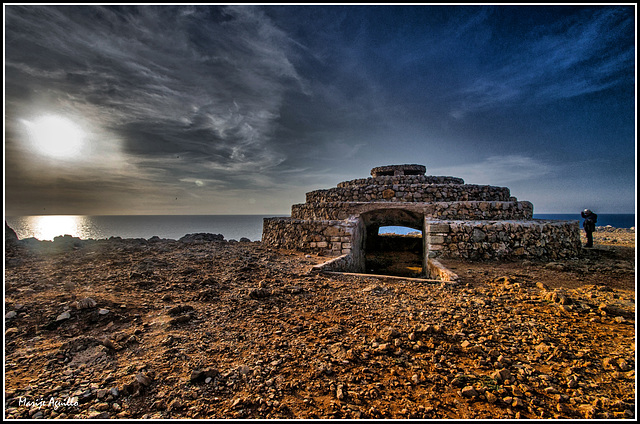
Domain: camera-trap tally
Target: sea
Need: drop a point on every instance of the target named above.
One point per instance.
(232, 227)
(46, 227)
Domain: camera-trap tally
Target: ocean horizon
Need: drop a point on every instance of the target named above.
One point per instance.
(232, 227)
(46, 227)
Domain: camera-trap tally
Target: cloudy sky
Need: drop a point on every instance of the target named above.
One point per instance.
(243, 109)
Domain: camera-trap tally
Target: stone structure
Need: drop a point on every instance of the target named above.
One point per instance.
(457, 220)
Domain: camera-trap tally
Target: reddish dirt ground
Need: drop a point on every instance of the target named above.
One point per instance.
(165, 329)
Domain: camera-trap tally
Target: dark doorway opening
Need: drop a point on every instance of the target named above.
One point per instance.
(390, 253)
(394, 243)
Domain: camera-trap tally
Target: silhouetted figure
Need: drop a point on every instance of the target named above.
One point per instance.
(589, 225)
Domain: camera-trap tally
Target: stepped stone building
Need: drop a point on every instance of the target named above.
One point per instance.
(456, 220)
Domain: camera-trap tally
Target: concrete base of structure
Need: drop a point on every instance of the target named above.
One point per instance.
(391, 277)
(434, 271)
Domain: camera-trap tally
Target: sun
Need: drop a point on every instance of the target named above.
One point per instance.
(56, 137)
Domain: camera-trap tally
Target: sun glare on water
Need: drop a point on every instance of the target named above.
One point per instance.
(48, 227)
(56, 137)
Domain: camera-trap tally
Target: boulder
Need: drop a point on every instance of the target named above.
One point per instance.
(10, 236)
(201, 237)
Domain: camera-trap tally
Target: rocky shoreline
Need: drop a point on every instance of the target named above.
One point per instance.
(206, 328)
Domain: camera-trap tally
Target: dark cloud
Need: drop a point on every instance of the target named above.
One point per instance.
(145, 66)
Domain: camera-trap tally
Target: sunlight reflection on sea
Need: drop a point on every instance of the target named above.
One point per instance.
(46, 227)
(136, 226)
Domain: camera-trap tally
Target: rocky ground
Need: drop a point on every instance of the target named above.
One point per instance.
(213, 329)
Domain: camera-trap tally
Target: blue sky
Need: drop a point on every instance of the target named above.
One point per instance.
(243, 109)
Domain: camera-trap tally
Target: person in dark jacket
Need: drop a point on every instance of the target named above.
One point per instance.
(589, 225)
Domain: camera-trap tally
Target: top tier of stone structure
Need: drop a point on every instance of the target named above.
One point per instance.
(397, 170)
(407, 184)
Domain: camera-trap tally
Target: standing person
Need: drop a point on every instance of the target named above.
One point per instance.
(589, 225)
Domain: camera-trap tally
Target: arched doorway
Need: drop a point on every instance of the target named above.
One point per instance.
(390, 253)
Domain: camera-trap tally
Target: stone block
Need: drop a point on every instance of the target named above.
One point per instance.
(333, 231)
(438, 228)
(322, 244)
(478, 235)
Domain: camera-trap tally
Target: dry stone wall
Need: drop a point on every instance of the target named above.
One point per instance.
(410, 193)
(318, 236)
(404, 180)
(438, 210)
(503, 239)
(481, 210)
